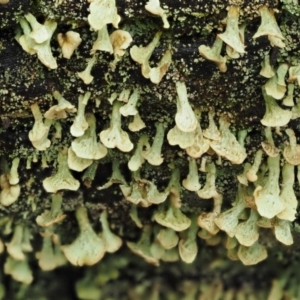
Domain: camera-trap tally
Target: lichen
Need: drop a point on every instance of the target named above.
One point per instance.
(235, 96)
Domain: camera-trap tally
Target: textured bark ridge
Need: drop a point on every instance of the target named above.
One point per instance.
(151, 146)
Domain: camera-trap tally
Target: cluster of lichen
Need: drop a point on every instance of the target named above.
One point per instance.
(166, 136)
